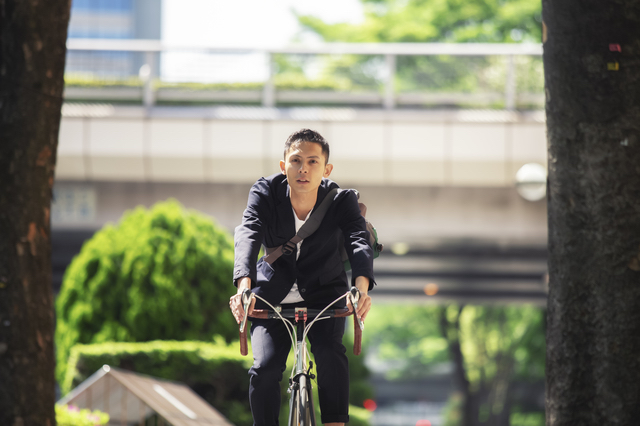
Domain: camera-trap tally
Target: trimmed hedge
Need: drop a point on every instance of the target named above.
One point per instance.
(159, 274)
(282, 82)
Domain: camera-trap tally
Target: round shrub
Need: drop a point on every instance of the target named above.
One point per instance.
(159, 274)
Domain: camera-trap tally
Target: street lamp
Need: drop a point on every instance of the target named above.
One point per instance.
(531, 182)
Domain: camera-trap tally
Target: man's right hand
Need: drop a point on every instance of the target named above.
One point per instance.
(235, 301)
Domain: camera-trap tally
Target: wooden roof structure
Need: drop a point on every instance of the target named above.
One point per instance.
(130, 399)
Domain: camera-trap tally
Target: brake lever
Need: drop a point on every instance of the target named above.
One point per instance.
(247, 297)
(354, 295)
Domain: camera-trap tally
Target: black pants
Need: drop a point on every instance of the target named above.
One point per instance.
(271, 345)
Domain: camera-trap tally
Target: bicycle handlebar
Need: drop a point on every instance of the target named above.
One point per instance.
(358, 325)
(291, 313)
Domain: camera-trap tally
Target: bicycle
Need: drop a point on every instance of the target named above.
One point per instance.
(301, 403)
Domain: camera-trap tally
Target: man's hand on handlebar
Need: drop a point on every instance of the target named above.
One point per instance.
(235, 301)
(364, 303)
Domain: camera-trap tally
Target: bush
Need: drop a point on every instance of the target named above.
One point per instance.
(527, 419)
(359, 387)
(215, 371)
(68, 415)
(160, 274)
(359, 416)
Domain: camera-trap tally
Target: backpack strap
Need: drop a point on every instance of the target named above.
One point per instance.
(308, 228)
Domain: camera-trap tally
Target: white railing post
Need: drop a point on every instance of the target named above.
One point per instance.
(510, 85)
(269, 89)
(147, 74)
(389, 84)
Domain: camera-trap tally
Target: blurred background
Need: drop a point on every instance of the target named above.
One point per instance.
(434, 110)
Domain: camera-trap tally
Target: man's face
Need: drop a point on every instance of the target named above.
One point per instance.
(305, 166)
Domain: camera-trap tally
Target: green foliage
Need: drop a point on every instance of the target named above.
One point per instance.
(284, 80)
(71, 416)
(216, 371)
(210, 86)
(163, 273)
(411, 343)
(496, 338)
(96, 82)
(527, 419)
(462, 74)
(359, 416)
(452, 21)
(415, 343)
(359, 387)
(452, 413)
(291, 81)
(499, 344)
(459, 21)
(89, 80)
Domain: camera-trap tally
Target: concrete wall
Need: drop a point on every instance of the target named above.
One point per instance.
(236, 145)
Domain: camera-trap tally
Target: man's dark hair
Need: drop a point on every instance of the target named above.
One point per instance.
(307, 135)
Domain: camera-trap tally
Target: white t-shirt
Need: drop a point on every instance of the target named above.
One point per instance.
(294, 295)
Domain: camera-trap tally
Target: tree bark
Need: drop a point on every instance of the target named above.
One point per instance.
(32, 55)
(593, 127)
(451, 332)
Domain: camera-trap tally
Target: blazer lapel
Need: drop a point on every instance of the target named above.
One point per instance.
(286, 227)
(322, 192)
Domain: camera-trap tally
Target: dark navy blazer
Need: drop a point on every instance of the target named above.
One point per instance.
(268, 220)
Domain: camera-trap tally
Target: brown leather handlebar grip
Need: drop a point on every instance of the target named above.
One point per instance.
(259, 313)
(342, 312)
(357, 336)
(244, 350)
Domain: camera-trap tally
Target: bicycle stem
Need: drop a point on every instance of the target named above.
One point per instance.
(301, 343)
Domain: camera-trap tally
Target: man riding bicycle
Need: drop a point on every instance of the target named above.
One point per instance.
(311, 276)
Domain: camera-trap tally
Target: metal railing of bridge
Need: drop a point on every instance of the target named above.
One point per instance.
(389, 75)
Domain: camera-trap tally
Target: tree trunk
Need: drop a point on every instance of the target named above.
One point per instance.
(451, 332)
(592, 78)
(32, 55)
